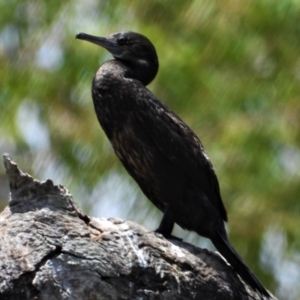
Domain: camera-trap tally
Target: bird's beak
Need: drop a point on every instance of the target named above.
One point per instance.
(109, 45)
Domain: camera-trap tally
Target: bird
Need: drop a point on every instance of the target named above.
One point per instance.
(157, 148)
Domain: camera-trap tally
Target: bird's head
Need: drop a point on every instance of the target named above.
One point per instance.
(132, 48)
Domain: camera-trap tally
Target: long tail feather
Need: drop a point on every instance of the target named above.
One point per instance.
(226, 249)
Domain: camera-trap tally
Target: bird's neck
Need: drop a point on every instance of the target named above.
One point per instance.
(140, 70)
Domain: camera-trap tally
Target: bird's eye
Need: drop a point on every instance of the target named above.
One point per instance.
(122, 41)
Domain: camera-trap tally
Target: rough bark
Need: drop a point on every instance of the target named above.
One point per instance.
(49, 249)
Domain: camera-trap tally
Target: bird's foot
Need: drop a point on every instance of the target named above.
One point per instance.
(168, 236)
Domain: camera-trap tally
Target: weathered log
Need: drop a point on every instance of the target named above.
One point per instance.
(49, 249)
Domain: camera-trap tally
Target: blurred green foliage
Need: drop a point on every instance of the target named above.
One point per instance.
(230, 69)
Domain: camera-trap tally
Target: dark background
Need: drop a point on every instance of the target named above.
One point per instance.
(230, 69)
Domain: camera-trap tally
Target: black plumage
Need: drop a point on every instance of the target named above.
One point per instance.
(157, 148)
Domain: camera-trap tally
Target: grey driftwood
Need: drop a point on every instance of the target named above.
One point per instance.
(49, 249)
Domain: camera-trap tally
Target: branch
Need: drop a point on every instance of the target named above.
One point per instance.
(49, 249)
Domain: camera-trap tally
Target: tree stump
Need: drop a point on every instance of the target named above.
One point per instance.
(49, 249)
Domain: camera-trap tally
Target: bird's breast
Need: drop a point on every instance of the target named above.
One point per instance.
(112, 96)
(131, 150)
(139, 156)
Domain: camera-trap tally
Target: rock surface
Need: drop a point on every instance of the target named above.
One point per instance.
(49, 249)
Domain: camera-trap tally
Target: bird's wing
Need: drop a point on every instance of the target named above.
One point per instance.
(178, 143)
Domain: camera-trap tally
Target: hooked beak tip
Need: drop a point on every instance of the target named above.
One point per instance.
(79, 36)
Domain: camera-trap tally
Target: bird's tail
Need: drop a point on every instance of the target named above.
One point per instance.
(226, 249)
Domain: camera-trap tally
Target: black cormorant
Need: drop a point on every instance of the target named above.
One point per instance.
(157, 148)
